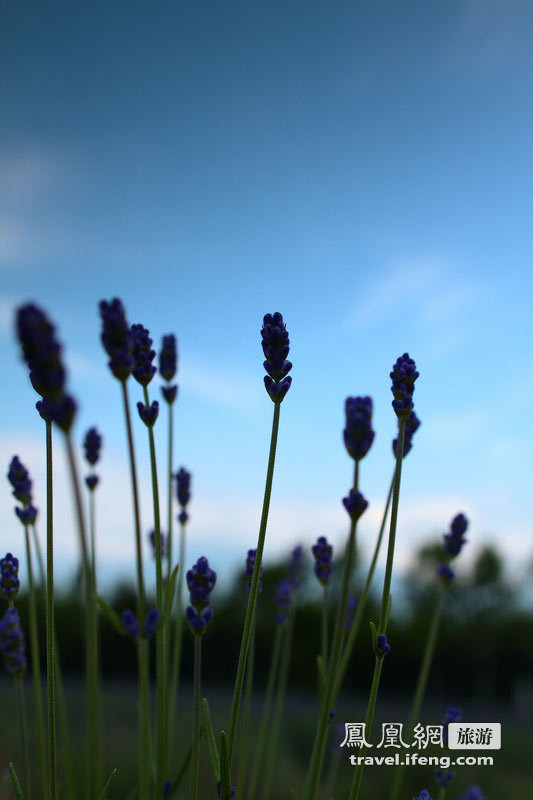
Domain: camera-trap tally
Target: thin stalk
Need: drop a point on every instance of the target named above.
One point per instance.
(247, 703)
(252, 597)
(385, 601)
(178, 639)
(40, 559)
(313, 776)
(23, 738)
(267, 707)
(160, 632)
(92, 692)
(36, 668)
(50, 631)
(324, 635)
(142, 649)
(421, 683)
(193, 793)
(278, 710)
(442, 793)
(169, 709)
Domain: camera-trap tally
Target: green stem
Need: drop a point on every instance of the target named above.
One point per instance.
(354, 792)
(178, 639)
(252, 597)
(142, 649)
(385, 601)
(160, 632)
(325, 626)
(50, 631)
(247, 703)
(193, 793)
(92, 696)
(421, 683)
(278, 711)
(23, 738)
(267, 707)
(169, 489)
(36, 667)
(169, 709)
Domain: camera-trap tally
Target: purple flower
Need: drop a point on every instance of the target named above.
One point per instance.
(445, 573)
(382, 647)
(169, 393)
(250, 563)
(150, 622)
(129, 620)
(183, 485)
(12, 644)
(163, 540)
(168, 357)
(443, 778)
(403, 375)
(283, 602)
(296, 566)
(201, 580)
(143, 355)
(198, 620)
(355, 504)
(454, 539)
(19, 478)
(148, 414)
(412, 424)
(351, 605)
(9, 580)
(219, 790)
(275, 342)
(183, 517)
(452, 714)
(424, 795)
(27, 515)
(92, 444)
(41, 350)
(116, 338)
(323, 555)
(474, 793)
(358, 433)
(91, 481)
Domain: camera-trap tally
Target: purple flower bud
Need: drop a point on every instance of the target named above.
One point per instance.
(41, 351)
(284, 593)
(323, 555)
(150, 622)
(198, 620)
(129, 620)
(443, 778)
(412, 424)
(61, 410)
(169, 393)
(148, 414)
(201, 580)
(355, 504)
(163, 540)
(168, 357)
(474, 793)
(143, 355)
(424, 795)
(92, 444)
(27, 515)
(183, 517)
(183, 484)
(9, 580)
(358, 433)
(452, 714)
(275, 342)
(445, 573)
(12, 644)
(296, 566)
(91, 481)
(382, 647)
(403, 375)
(250, 563)
(454, 539)
(19, 478)
(116, 338)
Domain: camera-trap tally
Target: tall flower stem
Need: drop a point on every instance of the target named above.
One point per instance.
(36, 667)
(169, 708)
(160, 632)
(193, 793)
(247, 703)
(267, 707)
(50, 628)
(313, 776)
(92, 697)
(252, 597)
(421, 683)
(385, 604)
(142, 649)
(324, 633)
(23, 737)
(178, 640)
(278, 709)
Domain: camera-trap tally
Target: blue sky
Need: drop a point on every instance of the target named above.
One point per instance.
(364, 168)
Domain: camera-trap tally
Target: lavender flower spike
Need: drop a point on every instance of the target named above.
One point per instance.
(323, 555)
(92, 444)
(19, 478)
(12, 645)
(9, 580)
(116, 338)
(355, 504)
(454, 539)
(443, 778)
(275, 342)
(296, 566)
(148, 414)
(411, 426)
(143, 355)
(403, 375)
(424, 795)
(250, 563)
(201, 580)
(358, 433)
(474, 793)
(283, 602)
(183, 485)
(168, 357)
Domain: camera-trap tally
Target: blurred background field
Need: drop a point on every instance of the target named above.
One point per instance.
(483, 664)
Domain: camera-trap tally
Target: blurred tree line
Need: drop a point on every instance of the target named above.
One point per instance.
(485, 646)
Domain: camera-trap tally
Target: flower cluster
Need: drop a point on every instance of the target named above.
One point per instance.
(323, 555)
(116, 338)
(296, 566)
(283, 602)
(355, 504)
(42, 353)
(351, 606)
(201, 580)
(12, 644)
(92, 444)
(382, 647)
(412, 424)
(424, 795)
(474, 793)
(148, 414)
(20, 480)
(183, 487)
(131, 625)
(250, 564)
(168, 364)
(443, 778)
(9, 576)
(275, 342)
(403, 375)
(453, 542)
(358, 433)
(164, 544)
(452, 714)
(143, 355)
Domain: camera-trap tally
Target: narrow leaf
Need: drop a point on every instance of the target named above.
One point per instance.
(107, 785)
(225, 779)
(111, 616)
(211, 741)
(374, 632)
(16, 782)
(169, 595)
(321, 677)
